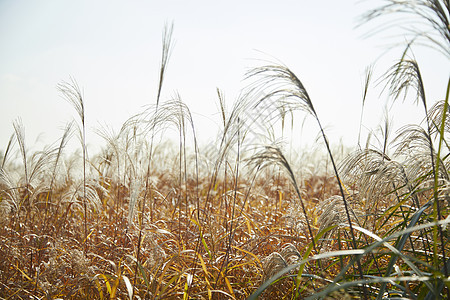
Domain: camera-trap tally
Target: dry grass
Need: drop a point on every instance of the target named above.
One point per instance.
(148, 218)
(215, 224)
(180, 252)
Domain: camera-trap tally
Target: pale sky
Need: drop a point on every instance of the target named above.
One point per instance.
(113, 49)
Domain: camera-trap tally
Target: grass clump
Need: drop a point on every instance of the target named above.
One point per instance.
(149, 218)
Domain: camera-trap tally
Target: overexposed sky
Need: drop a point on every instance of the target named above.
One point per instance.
(113, 49)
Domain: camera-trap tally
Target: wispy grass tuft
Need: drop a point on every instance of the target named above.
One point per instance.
(72, 93)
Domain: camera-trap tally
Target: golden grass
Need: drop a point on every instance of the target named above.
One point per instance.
(151, 220)
(180, 254)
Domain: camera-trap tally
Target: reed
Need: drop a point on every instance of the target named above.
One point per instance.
(241, 217)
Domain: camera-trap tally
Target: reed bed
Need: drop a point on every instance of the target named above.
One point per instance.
(243, 217)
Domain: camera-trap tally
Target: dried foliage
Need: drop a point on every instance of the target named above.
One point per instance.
(149, 218)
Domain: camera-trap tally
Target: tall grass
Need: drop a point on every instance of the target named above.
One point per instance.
(71, 92)
(379, 178)
(150, 218)
(167, 35)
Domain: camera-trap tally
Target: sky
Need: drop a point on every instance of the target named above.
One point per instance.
(113, 48)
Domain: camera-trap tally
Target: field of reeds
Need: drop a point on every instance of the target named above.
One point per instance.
(244, 217)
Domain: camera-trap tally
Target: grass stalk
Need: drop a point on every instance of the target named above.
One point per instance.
(275, 78)
(71, 92)
(437, 215)
(166, 44)
(49, 198)
(20, 137)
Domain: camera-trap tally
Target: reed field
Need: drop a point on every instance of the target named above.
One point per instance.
(246, 216)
